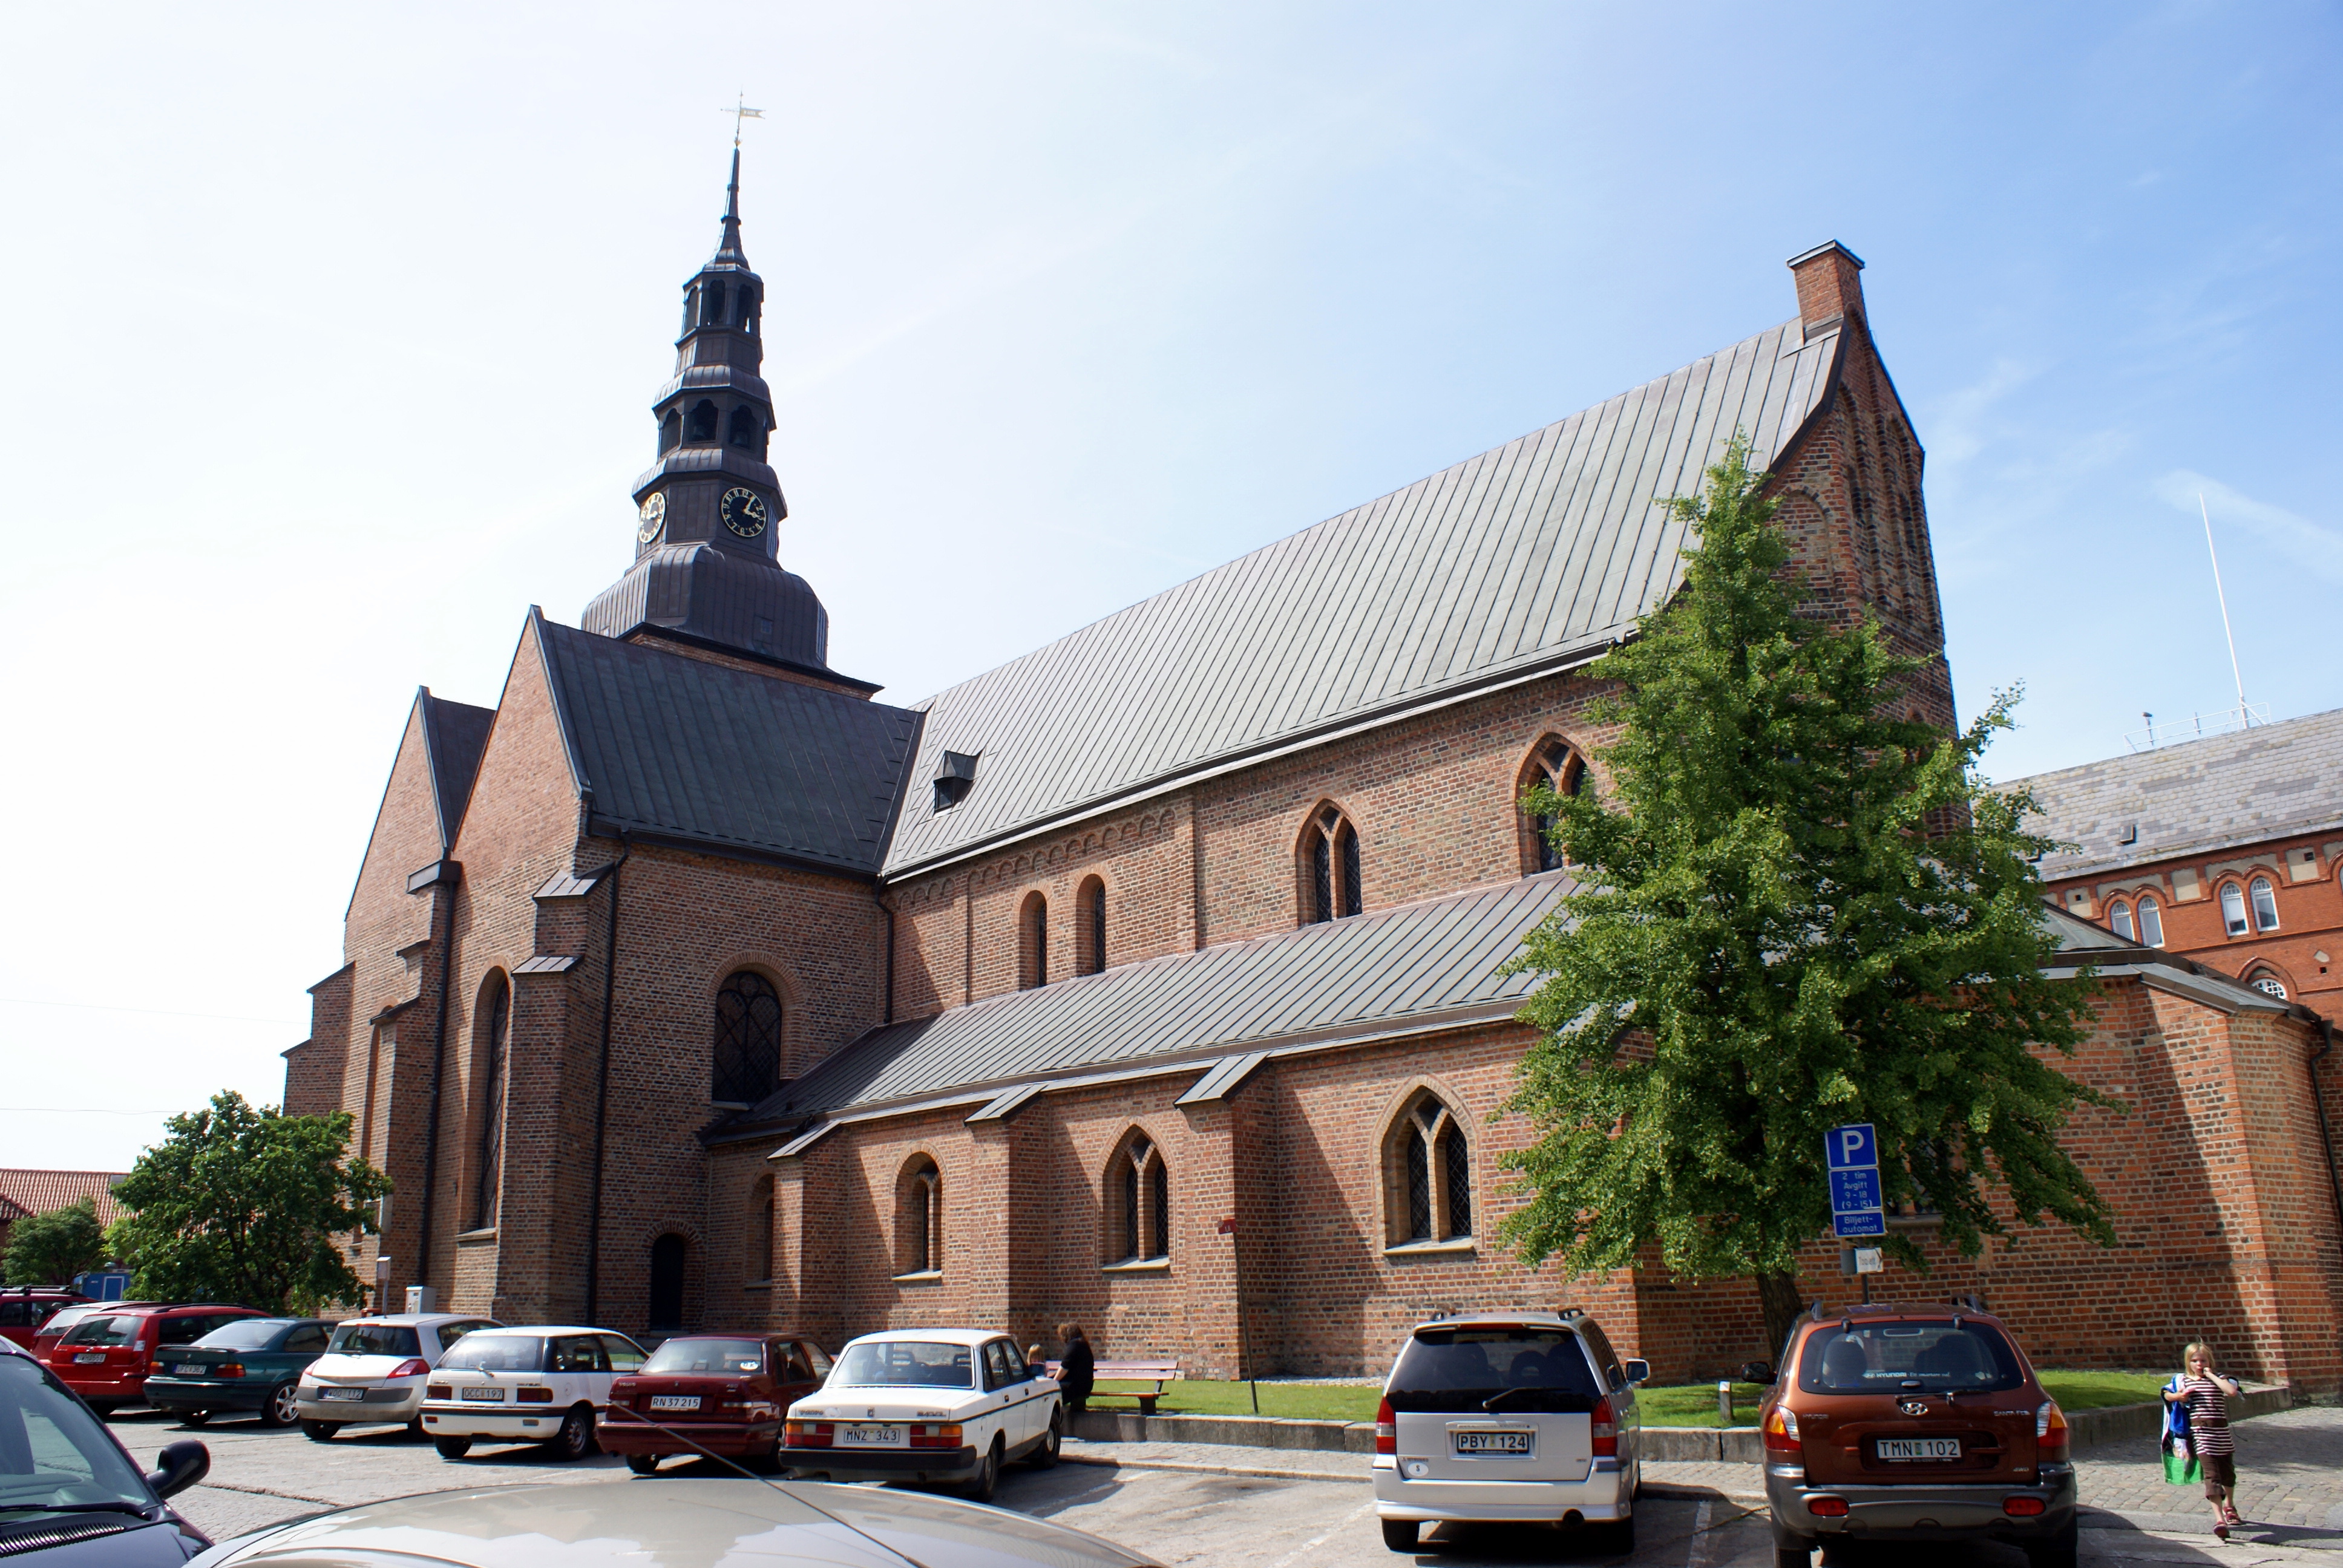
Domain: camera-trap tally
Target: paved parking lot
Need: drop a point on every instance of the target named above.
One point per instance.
(1189, 1516)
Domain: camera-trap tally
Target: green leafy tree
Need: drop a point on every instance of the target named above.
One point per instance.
(1796, 910)
(239, 1204)
(50, 1249)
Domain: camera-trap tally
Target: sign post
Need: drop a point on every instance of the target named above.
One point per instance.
(1859, 1209)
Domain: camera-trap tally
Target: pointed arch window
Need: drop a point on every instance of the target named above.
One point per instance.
(1033, 942)
(1138, 1203)
(920, 1218)
(748, 1056)
(491, 1023)
(1556, 765)
(1428, 1171)
(1090, 927)
(1330, 870)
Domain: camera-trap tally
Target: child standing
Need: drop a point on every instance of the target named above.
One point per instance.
(2206, 1393)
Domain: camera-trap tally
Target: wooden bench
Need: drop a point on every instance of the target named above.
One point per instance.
(1158, 1373)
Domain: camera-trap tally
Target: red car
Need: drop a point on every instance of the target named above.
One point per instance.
(105, 1357)
(709, 1394)
(24, 1310)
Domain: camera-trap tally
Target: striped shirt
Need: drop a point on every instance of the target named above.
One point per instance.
(2209, 1416)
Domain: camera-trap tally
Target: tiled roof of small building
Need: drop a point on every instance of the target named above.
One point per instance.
(45, 1192)
(2267, 782)
(1522, 561)
(679, 749)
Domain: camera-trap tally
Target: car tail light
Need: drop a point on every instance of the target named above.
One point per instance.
(2050, 1435)
(807, 1433)
(413, 1366)
(1603, 1423)
(228, 1369)
(936, 1434)
(1826, 1507)
(2021, 1507)
(1782, 1431)
(437, 1390)
(527, 1395)
(1387, 1429)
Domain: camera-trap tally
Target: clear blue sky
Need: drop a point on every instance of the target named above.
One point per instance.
(327, 337)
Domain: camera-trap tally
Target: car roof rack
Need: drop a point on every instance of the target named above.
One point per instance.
(1568, 1313)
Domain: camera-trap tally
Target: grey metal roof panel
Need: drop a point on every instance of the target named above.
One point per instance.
(1414, 962)
(546, 964)
(2197, 796)
(455, 734)
(1523, 557)
(679, 747)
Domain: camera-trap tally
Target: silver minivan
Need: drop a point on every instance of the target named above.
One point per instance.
(1508, 1417)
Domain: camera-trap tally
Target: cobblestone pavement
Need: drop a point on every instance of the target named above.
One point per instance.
(2290, 1482)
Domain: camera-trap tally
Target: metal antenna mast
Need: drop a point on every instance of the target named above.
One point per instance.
(2244, 716)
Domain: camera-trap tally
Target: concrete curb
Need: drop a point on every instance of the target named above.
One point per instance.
(1680, 1490)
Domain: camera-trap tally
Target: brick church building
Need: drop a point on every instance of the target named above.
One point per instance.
(1150, 979)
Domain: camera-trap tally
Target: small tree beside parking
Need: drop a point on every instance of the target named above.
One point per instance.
(50, 1249)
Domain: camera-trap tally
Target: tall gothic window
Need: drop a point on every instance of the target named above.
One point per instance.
(748, 1061)
(1330, 874)
(490, 1024)
(919, 1218)
(1090, 927)
(1138, 1200)
(1428, 1175)
(1556, 765)
(761, 1215)
(1033, 942)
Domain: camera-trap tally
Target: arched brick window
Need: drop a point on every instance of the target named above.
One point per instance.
(920, 1217)
(1329, 863)
(1553, 764)
(1427, 1175)
(1033, 943)
(2151, 921)
(1089, 926)
(2268, 983)
(2119, 920)
(2264, 901)
(1138, 1203)
(760, 1233)
(491, 1024)
(748, 1059)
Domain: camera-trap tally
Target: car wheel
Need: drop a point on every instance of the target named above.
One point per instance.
(1398, 1534)
(280, 1409)
(1045, 1453)
(2058, 1551)
(415, 1427)
(1792, 1556)
(988, 1475)
(643, 1464)
(1619, 1539)
(194, 1417)
(320, 1431)
(452, 1447)
(576, 1438)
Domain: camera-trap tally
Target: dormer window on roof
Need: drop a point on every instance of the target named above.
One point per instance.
(955, 777)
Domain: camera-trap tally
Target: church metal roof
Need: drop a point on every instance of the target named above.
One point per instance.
(676, 747)
(1526, 558)
(1402, 970)
(2267, 782)
(455, 734)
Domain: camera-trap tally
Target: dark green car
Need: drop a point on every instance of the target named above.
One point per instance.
(248, 1367)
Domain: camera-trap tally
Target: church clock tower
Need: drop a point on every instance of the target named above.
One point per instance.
(710, 508)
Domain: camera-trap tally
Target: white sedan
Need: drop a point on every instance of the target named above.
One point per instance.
(526, 1385)
(926, 1404)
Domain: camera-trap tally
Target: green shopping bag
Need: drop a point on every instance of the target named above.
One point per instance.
(2180, 1466)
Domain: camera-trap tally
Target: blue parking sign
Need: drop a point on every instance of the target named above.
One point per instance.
(1852, 1147)
(1870, 1222)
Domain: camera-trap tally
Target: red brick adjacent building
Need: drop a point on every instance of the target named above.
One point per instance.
(1150, 980)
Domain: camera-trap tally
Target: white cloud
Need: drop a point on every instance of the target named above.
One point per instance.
(2315, 546)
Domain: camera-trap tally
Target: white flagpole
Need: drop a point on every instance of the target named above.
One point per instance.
(2243, 717)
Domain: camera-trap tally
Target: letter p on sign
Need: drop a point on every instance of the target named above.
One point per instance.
(1852, 1147)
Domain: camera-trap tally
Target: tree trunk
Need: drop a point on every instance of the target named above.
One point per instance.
(1778, 1299)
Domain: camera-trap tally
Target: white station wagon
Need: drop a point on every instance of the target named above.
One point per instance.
(525, 1385)
(926, 1404)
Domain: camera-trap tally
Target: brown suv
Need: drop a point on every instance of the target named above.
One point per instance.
(1913, 1423)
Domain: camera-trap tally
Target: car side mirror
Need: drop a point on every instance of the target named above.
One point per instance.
(179, 1466)
(1637, 1370)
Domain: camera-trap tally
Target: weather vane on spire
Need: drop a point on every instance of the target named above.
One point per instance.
(740, 112)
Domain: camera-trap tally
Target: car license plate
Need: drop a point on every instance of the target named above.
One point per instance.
(341, 1393)
(1491, 1442)
(675, 1402)
(89, 1358)
(188, 1369)
(485, 1395)
(864, 1435)
(1919, 1448)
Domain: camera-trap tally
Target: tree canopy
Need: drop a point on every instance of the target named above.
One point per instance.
(239, 1204)
(1796, 908)
(50, 1249)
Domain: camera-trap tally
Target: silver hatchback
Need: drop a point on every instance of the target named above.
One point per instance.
(1515, 1417)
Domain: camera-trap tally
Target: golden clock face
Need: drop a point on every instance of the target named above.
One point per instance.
(654, 516)
(743, 511)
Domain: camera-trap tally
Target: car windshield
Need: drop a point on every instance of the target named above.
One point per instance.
(53, 1451)
(244, 1334)
(1893, 1357)
(495, 1352)
(115, 1328)
(724, 1357)
(373, 1340)
(908, 1363)
(1522, 1370)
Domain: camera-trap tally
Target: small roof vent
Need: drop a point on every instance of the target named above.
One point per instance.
(954, 779)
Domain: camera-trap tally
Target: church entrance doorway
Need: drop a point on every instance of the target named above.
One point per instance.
(667, 1282)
